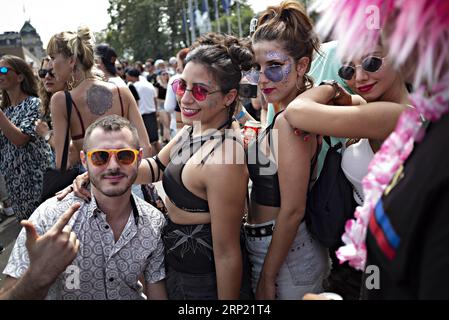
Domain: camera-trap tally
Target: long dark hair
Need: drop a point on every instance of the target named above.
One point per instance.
(29, 83)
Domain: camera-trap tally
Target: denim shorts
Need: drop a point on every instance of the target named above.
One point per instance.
(306, 266)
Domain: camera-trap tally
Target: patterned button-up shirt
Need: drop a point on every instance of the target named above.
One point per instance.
(103, 268)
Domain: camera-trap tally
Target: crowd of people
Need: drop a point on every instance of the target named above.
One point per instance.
(234, 223)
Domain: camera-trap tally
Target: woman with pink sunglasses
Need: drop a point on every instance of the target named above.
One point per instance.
(204, 175)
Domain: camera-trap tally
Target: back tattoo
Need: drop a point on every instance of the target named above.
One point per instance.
(99, 100)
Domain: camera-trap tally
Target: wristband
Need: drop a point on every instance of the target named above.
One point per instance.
(241, 114)
(48, 136)
(334, 84)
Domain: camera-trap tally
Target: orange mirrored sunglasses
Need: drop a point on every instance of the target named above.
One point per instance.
(101, 157)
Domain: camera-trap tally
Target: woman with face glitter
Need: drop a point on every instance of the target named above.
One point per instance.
(286, 261)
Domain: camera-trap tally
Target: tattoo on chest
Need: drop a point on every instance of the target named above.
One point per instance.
(99, 99)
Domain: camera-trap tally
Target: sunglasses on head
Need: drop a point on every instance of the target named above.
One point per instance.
(199, 92)
(274, 73)
(101, 157)
(5, 70)
(369, 64)
(43, 73)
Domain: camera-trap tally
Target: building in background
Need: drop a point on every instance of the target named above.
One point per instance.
(26, 44)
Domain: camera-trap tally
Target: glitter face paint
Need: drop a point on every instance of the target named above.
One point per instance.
(274, 73)
(286, 68)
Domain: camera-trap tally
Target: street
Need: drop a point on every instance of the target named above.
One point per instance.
(9, 230)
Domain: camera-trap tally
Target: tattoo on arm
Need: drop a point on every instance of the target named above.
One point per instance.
(99, 100)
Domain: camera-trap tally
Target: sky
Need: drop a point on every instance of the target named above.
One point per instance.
(52, 16)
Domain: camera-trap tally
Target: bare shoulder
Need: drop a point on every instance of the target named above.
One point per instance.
(58, 97)
(57, 100)
(281, 123)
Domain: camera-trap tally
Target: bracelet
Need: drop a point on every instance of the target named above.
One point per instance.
(48, 136)
(334, 84)
(241, 114)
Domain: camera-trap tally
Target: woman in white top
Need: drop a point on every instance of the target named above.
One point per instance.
(105, 58)
(369, 118)
(329, 110)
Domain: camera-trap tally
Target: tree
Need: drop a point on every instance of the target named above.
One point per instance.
(140, 29)
(143, 28)
(246, 14)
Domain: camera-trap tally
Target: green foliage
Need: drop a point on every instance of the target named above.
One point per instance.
(246, 14)
(140, 29)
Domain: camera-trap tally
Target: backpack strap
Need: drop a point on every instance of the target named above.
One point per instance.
(337, 146)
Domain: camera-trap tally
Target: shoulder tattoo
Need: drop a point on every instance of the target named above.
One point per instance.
(99, 99)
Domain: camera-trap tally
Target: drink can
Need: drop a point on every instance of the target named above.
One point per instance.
(251, 131)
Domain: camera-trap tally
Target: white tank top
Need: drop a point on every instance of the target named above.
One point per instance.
(354, 163)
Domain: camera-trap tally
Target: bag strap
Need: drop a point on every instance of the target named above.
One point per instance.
(337, 146)
(68, 105)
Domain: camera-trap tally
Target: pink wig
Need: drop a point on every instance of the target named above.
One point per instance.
(416, 31)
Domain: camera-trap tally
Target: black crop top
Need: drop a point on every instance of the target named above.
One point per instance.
(263, 170)
(178, 194)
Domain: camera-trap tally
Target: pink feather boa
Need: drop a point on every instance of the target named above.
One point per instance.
(415, 28)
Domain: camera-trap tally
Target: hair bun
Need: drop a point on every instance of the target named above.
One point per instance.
(85, 34)
(241, 56)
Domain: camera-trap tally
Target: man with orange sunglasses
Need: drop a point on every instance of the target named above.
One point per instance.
(99, 250)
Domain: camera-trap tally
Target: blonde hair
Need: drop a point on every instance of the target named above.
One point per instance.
(78, 44)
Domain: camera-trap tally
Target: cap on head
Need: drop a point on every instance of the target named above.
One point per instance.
(172, 60)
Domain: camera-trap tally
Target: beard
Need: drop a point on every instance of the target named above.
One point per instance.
(113, 190)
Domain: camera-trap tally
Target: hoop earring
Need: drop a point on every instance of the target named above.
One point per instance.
(71, 82)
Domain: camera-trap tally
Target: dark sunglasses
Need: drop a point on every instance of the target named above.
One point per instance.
(199, 92)
(43, 73)
(274, 73)
(101, 157)
(5, 70)
(369, 64)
